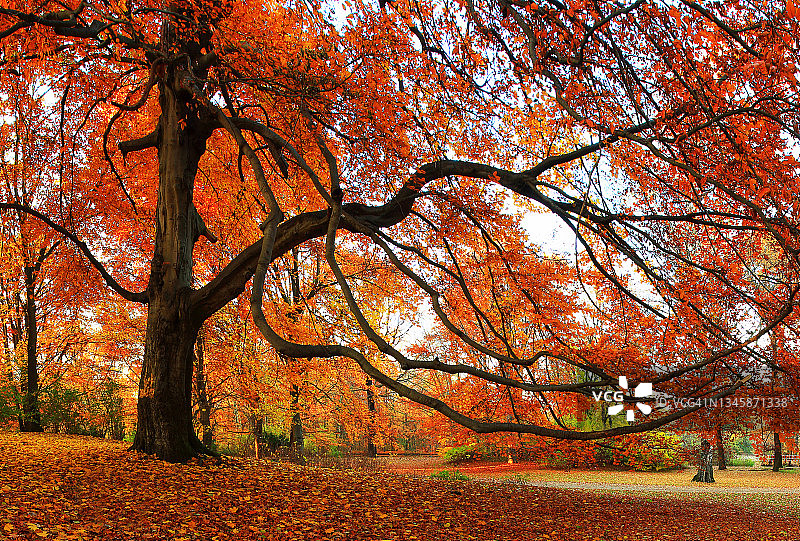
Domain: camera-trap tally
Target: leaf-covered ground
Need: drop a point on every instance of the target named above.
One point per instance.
(59, 487)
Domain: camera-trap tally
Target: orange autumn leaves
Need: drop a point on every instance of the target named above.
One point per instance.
(639, 128)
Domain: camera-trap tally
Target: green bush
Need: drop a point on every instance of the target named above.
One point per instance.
(604, 454)
(61, 408)
(447, 475)
(71, 411)
(272, 440)
(334, 451)
(239, 445)
(310, 447)
(742, 462)
(743, 446)
(9, 403)
(460, 454)
(108, 407)
(515, 479)
(652, 451)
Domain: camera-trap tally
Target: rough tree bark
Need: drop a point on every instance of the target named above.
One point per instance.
(722, 461)
(164, 408)
(372, 451)
(294, 298)
(777, 457)
(296, 429)
(203, 402)
(31, 419)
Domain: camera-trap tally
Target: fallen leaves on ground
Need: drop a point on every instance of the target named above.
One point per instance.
(67, 487)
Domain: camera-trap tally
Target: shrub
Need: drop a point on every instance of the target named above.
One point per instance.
(239, 445)
(652, 451)
(447, 475)
(559, 454)
(60, 409)
(742, 462)
(604, 454)
(69, 410)
(97, 413)
(9, 403)
(273, 440)
(334, 451)
(515, 479)
(108, 406)
(455, 455)
(743, 446)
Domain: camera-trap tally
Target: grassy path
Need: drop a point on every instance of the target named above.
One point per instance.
(731, 480)
(694, 488)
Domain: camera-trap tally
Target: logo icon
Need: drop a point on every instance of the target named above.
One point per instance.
(641, 391)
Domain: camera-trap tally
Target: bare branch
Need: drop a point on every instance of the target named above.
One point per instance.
(148, 141)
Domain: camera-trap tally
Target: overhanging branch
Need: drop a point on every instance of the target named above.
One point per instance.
(141, 297)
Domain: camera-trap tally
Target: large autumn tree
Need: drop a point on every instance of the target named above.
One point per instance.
(417, 135)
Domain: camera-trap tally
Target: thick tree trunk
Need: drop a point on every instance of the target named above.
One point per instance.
(723, 463)
(31, 419)
(164, 425)
(777, 458)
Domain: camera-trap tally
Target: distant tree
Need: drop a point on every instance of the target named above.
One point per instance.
(41, 281)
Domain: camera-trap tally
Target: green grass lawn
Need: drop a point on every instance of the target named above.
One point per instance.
(737, 477)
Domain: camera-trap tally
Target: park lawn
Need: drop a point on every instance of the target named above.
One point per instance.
(734, 478)
(525, 471)
(68, 487)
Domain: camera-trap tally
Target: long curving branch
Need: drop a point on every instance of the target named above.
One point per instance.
(126, 294)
